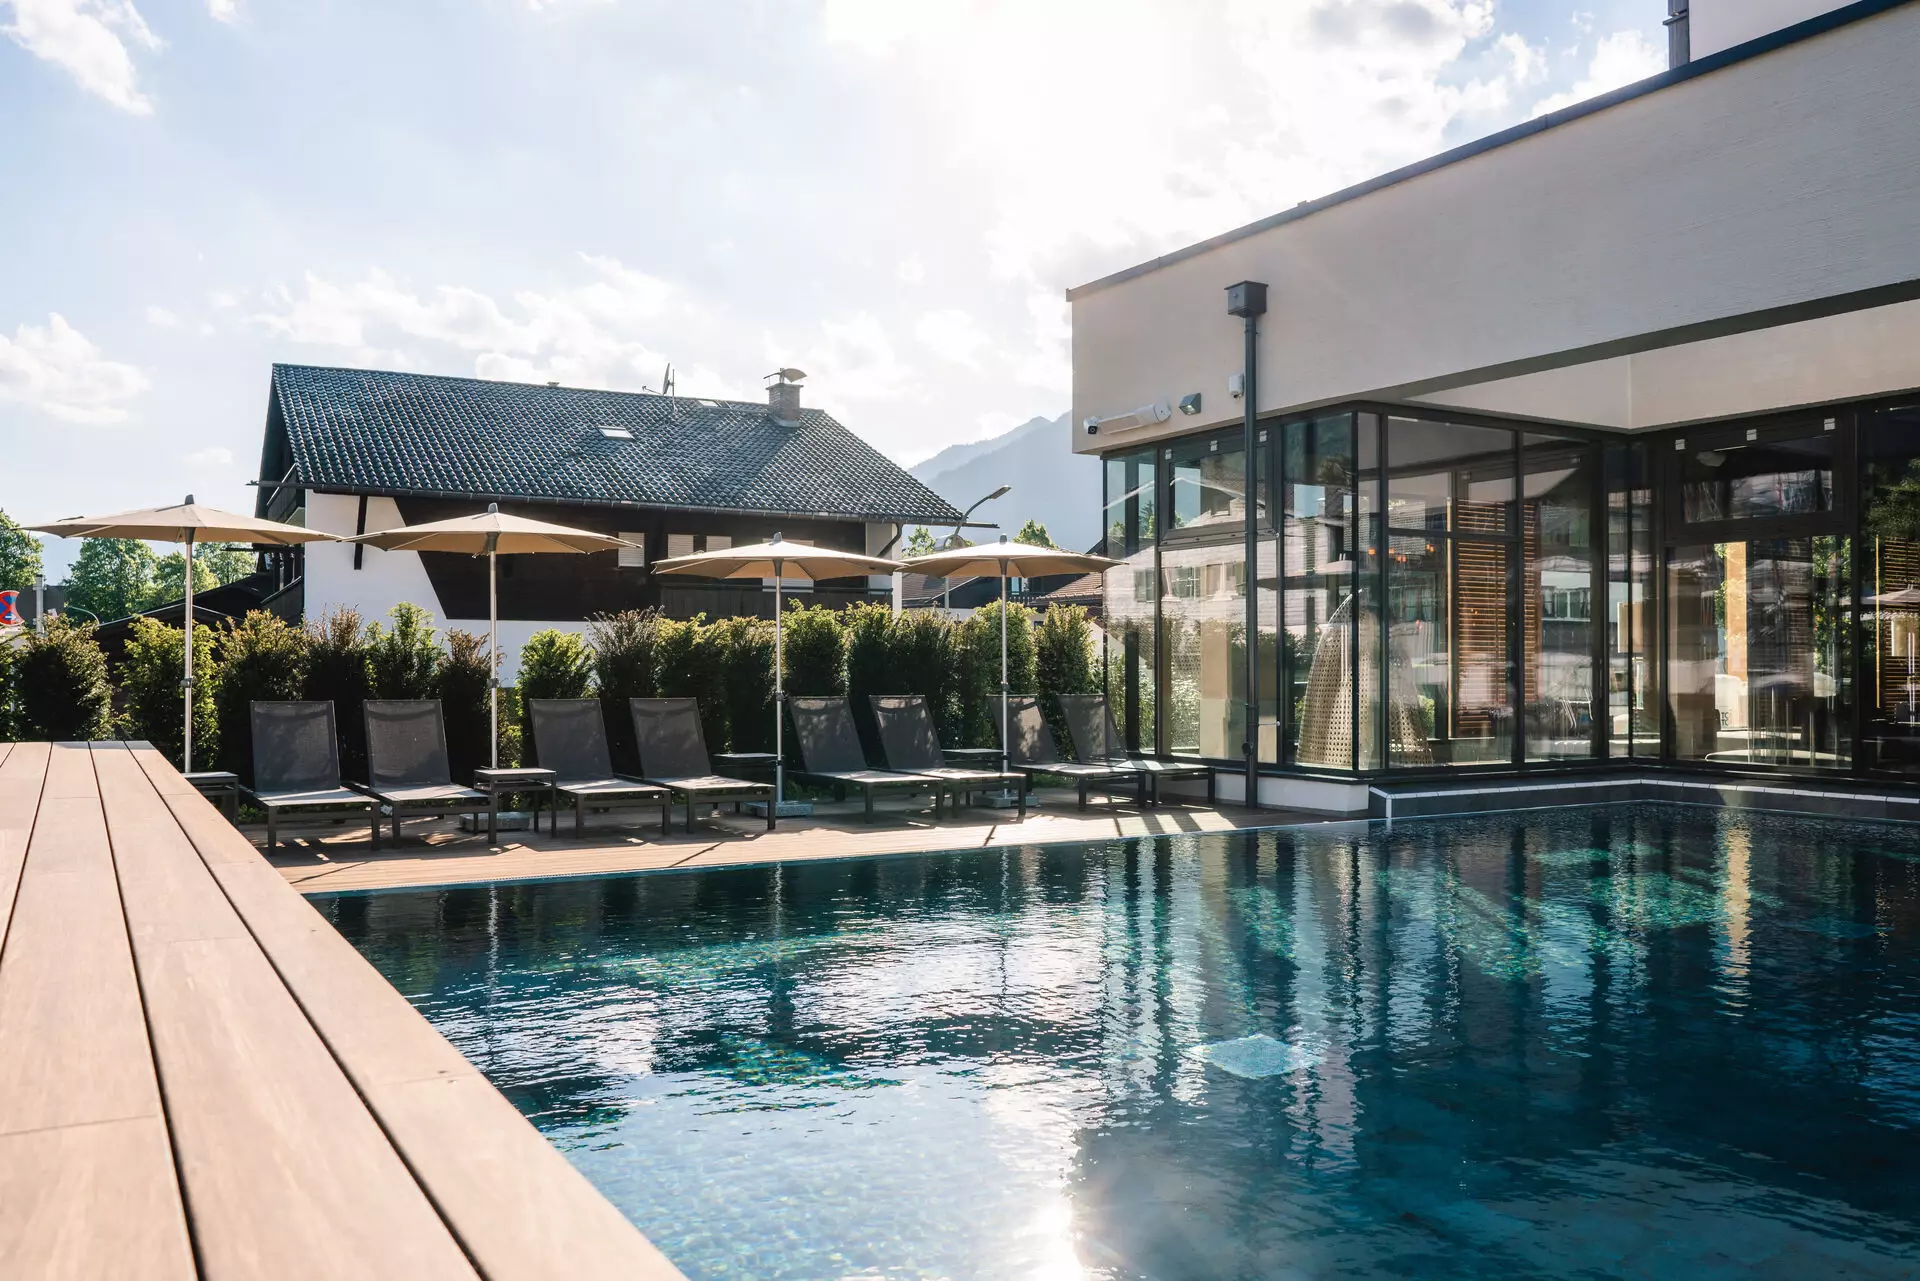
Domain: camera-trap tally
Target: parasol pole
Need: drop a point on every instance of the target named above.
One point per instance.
(493, 640)
(186, 680)
(779, 693)
(1003, 664)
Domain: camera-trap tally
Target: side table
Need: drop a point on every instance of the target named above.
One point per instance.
(500, 782)
(220, 787)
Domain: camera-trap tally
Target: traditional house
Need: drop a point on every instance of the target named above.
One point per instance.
(356, 450)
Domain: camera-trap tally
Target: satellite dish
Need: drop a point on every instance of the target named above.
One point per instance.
(666, 381)
(788, 375)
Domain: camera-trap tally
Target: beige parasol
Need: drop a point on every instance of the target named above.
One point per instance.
(492, 534)
(777, 559)
(1005, 560)
(185, 523)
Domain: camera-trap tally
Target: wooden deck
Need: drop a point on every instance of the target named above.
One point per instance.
(199, 1077)
(331, 857)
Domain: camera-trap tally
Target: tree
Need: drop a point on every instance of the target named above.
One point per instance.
(1034, 534)
(404, 660)
(19, 556)
(919, 543)
(214, 564)
(61, 691)
(112, 578)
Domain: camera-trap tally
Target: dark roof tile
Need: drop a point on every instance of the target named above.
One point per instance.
(365, 429)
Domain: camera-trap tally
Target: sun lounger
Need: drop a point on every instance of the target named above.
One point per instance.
(570, 738)
(407, 768)
(673, 755)
(296, 766)
(1097, 741)
(1032, 752)
(910, 742)
(830, 754)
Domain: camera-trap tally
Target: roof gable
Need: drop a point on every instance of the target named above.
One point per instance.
(364, 430)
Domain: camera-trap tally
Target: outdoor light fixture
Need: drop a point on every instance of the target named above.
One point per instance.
(1145, 416)
(1190, 404)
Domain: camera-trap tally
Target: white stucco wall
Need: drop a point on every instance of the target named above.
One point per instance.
(386, 579)
(1713, 25)
(1708, 207)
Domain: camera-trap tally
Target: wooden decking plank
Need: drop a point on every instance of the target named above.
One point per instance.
(516, 1204)
(87, 1184)
(158, 868)
(88, 1202)
(286, 1173)
(23, 776)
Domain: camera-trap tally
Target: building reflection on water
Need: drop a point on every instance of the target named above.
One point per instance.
(1684, 1027)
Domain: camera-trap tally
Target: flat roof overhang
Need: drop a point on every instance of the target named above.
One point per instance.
(1755, 216)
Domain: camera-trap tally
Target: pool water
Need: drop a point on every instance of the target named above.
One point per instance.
(1613, 1042)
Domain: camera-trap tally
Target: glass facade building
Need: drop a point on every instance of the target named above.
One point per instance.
(1450, 593)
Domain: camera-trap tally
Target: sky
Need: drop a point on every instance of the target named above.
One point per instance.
(892, 195)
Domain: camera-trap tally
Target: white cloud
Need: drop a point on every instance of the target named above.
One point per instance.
(89, 39)
(953, 335)
(911, 271)
(1619, 59)
(1107, 129)
(160, 318)
(55, 369)
(212, 457)
(853, 359)
(602, 333)
(224, 10)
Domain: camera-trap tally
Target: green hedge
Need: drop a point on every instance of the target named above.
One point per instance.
(58, 686)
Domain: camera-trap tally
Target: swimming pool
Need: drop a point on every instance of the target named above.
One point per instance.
(1642, 1041)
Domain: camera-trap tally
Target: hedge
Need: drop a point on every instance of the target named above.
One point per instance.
(59, 687)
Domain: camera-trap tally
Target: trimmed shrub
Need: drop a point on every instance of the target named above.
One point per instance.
(147, 690)
(1063, 664)
(625, 663)
(923, 663)
(870, 667)
(461, 687)
(979, 667)
(61, 693)
(404, 660)
(9, 659)
(553, 664)
(337, 671)
(692, 658)
(748, 683)
(261, 660)
(816, 651)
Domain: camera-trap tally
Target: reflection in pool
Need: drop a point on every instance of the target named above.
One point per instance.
(1622, 1041)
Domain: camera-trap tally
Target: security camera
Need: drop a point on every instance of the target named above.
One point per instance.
(1093, 426)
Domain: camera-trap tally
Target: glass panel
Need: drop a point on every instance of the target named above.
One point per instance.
(1557, 622)
(1448, 478)
(1632, 697)
(1890, 523)
(1766, 471)
(1372, 753)
(1203, 608)
(1448, 672)
(1758, 671)
(1131, 593)
(1321, 560)
(1207, 484)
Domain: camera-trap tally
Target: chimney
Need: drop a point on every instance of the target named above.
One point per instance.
(783, 396)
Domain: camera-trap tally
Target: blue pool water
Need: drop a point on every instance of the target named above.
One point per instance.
(1613, 1042)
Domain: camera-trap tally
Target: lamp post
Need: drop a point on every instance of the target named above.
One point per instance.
(953, 540)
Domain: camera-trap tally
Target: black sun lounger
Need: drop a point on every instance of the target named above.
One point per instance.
(1032, 752)
(570, 738)
(1097, 741)
(673, 755)
(407, 768)
(910, 742)
(830, 754)
(296, 766)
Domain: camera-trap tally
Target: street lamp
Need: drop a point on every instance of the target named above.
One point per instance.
(953, 540)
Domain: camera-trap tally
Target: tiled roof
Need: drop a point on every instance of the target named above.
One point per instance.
(370, 430)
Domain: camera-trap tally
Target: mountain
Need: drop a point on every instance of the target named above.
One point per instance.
(1051, 483)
